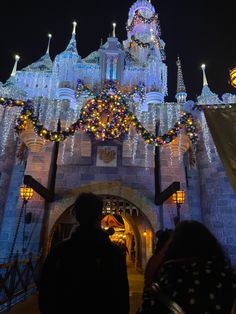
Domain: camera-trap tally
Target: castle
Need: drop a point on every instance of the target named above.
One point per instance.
(102, 124)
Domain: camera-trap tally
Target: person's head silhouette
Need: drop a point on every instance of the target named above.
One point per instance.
(88, 209)
(193, 239)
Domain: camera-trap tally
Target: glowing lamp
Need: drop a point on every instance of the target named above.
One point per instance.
(232, 74)
(26, 193)
(145, 233)
(179, 197)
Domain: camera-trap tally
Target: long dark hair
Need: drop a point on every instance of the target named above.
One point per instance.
(192, 239)
(162, 238)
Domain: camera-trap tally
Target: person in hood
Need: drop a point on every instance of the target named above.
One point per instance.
(85, 273)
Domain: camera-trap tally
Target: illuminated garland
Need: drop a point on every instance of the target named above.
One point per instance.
(83, 89)
(138, 17)
(9, 102)
(110, 87)
(186, 120)
(138, 90)
(27, 114)
(105, 117)
(108, 117)
(139, 42)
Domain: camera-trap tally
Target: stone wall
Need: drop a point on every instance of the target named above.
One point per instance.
(218, 200)
(110, 168)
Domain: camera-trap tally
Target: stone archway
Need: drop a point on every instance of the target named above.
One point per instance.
(142, 225)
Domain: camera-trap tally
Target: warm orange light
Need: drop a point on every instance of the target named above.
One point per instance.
(179, 197)
(26, 192)
(145, 233)
(232, 74)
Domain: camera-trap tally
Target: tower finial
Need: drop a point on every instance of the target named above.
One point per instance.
(114, 30)
(49, 41)
(203, 66)
(74, 28)
(17, 58)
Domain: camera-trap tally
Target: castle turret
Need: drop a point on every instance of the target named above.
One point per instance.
(43, 64)
(34, 78)
(181, 94)
(207, 97)
(146, 48)
(112, 59)
(10, 88)
(64, 67)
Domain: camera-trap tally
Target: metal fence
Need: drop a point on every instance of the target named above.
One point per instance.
(18, 279)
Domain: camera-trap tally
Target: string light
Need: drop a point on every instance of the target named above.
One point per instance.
(105, 117)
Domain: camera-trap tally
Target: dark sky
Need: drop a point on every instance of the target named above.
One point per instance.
(199, 31)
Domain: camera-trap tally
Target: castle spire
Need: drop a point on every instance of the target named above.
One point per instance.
(207, 97)
(74, 28)
(180, 78)
(181, 94)
(13, 73)
(71, 48)
(114, 30)
(49, 41)
(203, 66)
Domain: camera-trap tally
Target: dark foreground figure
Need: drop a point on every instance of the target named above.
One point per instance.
(87, 272)
(194, 273)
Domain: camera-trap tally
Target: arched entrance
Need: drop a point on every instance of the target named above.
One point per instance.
(131, 228)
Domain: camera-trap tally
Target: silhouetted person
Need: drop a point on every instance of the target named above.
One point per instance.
(110, 231)
(196, 273)
(132, 252)
(87, 272)
(155, 261)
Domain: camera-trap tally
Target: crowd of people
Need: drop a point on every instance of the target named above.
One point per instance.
(189, 272)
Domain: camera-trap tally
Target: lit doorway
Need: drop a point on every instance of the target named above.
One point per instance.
(126, 224)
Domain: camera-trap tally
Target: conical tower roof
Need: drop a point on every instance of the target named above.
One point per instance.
(10, 89)
(180, 79)
(181, 94)
(207, 97)
(71, 49)
(44, 64)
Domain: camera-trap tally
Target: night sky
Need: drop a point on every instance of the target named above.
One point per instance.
(198, 31)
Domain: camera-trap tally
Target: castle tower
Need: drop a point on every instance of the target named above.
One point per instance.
(207, 97)
(10, 88)
(35, 78)
(64, 68)
(112, 59)
(147, 49)
(181, 94)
